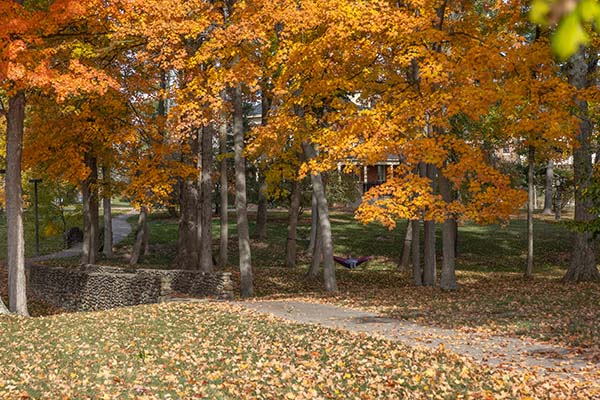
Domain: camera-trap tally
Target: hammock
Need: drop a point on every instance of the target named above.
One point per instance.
(350, 262)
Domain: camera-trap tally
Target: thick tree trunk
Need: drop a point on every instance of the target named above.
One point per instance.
(405, 257)
(558, 203)
(223, 190)
(107, 212)
(448, 280)
(530, 209)
(261, 213)
(136, 252)
(583, 265)
(429, 268)
(291, 245)
(17, 292)
(548, 190)
(416, 252)
(247, 288)
(91, 233)
(324, 223)
(206, 186)
(314, 221)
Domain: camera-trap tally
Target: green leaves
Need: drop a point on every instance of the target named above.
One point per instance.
(572, 17)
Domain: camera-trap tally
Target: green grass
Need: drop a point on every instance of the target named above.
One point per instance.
(219, 351)
(494, 297)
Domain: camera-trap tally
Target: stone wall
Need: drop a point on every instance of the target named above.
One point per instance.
(96, 287)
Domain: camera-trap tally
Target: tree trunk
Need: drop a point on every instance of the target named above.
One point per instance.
(558, 203)
(583, 265)
(429, 268)
(416, 252)
(223, 190)
(313, 224)
(136, 252)
(261, 213)
(206, 186)
(530, 209)
(548, 190)
(90, 212)
(317, 255)
(247, 288)
(448, 280)
(324, 223)
(107, 212)
(17, 292)
(291, 245)
(405, 258)
(187, 240)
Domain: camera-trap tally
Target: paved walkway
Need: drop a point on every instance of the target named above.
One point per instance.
(496, 351)
(121, 228)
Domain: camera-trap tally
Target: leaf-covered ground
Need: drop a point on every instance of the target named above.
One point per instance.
(216, 350)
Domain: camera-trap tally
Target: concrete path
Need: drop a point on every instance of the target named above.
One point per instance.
(496, 351)
(121, 228)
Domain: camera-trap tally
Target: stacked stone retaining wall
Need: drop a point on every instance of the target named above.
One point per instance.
(97, 287)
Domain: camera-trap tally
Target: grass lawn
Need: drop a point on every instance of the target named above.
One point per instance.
(494, 298)
(219, 351)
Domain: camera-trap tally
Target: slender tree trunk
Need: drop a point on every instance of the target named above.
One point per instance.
(317, 255)
(416, 252)
(530, 209)
(187, 244)
(548, 190)
(291, 245)
(136, 252)
(324, 222)
(223, 190)
(405, 258)
(558, 203)
(314, 221)
(247, 288)
(429, 270)
(206, 186)
(448, 280)
(17, 292)
(583, 265)
(90, 212)
(107, 212)
(261, 213)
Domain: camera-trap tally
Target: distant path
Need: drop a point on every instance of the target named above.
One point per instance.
(496, 351)
(121, 228)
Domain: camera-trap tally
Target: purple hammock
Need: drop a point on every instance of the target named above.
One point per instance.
(351, 262)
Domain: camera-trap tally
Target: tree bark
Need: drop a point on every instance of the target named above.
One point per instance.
(317, 256)
(405, 257)
(247, 289)
(261, 213)
(530, 209)
(429, 268)
(90, 212)
(416, 252)
(448, 280)
(583, 265)
(139, 237)
(206, 186)
(291, 243)
(324, 222)
(313, 223)
(17, 293)
(107, 212)
(187, 244)
(223, 190)
(548, 190)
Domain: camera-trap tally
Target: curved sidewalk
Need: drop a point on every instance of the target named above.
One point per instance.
(121, 228)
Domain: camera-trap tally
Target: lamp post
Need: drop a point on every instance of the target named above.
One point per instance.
(37, 218)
